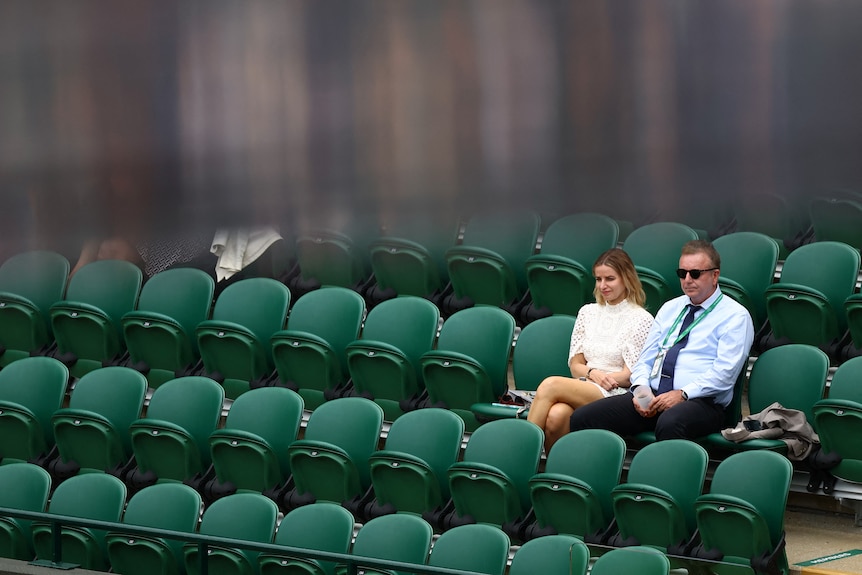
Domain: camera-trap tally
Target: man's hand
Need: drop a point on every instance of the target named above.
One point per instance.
(666, 400)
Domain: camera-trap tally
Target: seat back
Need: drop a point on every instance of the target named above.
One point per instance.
(551, 555)
(169, 506)
(748, 261)
(161, 331)
(337, 255)
(410, 472)
(581, 470)
(173, 439)
(398, 537)
(23, 486)
(310, 354)
(837, 220)
(838, 420)
(793, 375)
(640, 560)
(744, 518)
(470, 363)
(491, 483)
(656, 504)
(385, 361)
(98, 496)
(31, 390)
(250, 451)
(488, 267)
(807, 304)
(560, 275)
(316, 527)
(236, 342)
(410, 258)
(476, 548)
(655, 249)
(339, 438)
(94, 430)
(30, 283)
(246, 516)
(542, 350)
(88, 322)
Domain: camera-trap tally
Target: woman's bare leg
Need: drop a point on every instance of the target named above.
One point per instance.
(557, 424)
(557, 389)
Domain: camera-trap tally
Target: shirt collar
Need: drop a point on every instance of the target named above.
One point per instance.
(709, 301)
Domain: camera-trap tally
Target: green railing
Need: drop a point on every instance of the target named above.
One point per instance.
(204, 542)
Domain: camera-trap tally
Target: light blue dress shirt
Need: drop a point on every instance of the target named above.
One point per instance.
(716, 352)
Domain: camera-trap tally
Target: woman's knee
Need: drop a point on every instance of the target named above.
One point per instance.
(558, 417)
(549, 389)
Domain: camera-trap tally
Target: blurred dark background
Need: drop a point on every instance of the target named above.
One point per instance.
(143, 117)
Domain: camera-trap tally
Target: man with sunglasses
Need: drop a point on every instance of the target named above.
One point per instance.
(697, 346)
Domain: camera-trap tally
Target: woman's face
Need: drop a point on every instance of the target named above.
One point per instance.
(610, 284)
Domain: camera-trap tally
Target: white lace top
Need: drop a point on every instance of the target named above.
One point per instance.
(610, 336)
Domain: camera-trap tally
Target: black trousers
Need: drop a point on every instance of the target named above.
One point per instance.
(687, 420)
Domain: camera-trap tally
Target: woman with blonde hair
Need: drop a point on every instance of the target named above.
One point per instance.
(606, 342)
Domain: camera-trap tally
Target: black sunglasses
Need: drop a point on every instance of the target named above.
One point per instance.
(680, 273)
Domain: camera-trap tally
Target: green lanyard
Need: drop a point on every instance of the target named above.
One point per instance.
(664, 344)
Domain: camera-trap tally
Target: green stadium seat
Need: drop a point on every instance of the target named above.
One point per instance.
(87, 324)
(168, 506)
(399, 537)
(235, 343)
(471, 360)
(384, 363)
(23, 486)
(310, 355)
(160, 333)
(476, 548)
(30, 283)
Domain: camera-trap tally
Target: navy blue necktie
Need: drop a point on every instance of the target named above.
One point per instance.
(667, 367)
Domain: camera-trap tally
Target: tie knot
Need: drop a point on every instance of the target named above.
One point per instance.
(693, 308)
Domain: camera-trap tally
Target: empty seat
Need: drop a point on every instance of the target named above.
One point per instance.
(160, 333)
(476, 548)
(246, 516)
(335, 255)
(838, 420)
(317, 527)
(25, 487)
(168, 506)
(400, 537)
(793, 375)
(748, 261)
(551, 555)
(331, 461)
(541, 350)
(807, 303)
(491, 483)
(93, 432)
(31, 390)
(776, 216)
(29, 284)
(837, 220)
(410, 473)
(250, 451)
(573, 494)
(97, 496)
(172, 441)
(384, 363)
(235, 343)
(87, 324)
(655, 250)
(560, 276)
(655, 506)
(470, 363)
(310, 355)
(741, 520)
(409, 259)
(489, 265)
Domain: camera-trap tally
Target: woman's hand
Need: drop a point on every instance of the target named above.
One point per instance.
(604, 379)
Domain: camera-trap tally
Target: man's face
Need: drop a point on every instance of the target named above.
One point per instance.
(701, 288)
